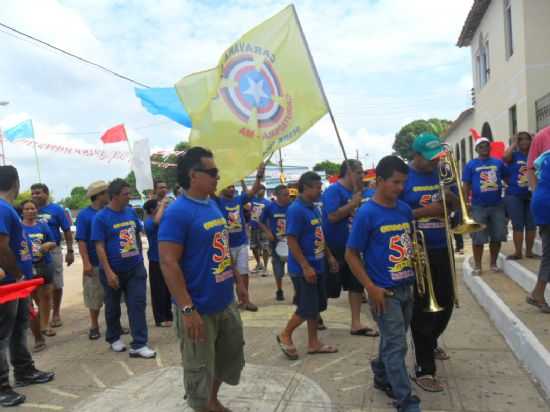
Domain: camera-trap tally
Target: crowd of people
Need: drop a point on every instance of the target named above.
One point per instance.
(350, 237)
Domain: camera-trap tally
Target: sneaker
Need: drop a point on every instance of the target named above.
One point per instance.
(118, 346)
(280, 295)
(143, 352)
(32, 377)
(8, 397)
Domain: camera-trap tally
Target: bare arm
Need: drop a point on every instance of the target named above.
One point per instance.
(160, 212)
(258, 182)
(170, 255)
(112, 278)
(346, 210)
(466, 189)
(294, 248)
(8, 261)
(376, 294)
(86, 263)
(532, 177)
(69, 258)
(508, 154)
(270, 235)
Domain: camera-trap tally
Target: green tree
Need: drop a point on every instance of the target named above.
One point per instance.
(330, 168)
(167, 174)
(26, 195)
(77, 200)
(402, 145)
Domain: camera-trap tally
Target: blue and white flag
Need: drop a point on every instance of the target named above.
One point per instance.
(164, 101)
(23, 130)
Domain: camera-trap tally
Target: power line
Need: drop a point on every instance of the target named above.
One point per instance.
(82, 59)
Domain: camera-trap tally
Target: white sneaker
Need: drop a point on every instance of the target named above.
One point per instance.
(143, 352)
(118, 346)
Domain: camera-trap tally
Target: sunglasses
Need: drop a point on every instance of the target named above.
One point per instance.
(214, 172)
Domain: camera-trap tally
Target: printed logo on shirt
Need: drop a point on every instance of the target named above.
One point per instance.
(222, 256)
(24, 252)
(429, 198)
(280, 227)
(522, 174)
(234, 223)
(44, 217)
(319, 243)
(36, 242)
(257, 209)
(127, 239)
(400, 251)
(488, 180)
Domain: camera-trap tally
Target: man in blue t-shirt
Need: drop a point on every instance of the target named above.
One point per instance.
(423, 194)
(16, 261)
(116, 231)
(232, 208)
(306, 267)
(273, 224)
(340, 201)
(483, 177)
(161, 301)
(55, 216)
(258, 241)
(196, 264)
(379, 253)
(92, 288)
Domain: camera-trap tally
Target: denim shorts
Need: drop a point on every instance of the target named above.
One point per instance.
(494, 218)
(310, 298)
(519, 210)
(277, 262)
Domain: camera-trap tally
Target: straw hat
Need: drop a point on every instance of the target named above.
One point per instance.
(96, 188)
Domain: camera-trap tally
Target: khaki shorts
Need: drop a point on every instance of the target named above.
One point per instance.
(57, 262)
(93, 290)
(221, 357)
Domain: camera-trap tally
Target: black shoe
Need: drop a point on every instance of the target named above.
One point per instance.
(8, 397)
(404, 405)
(33, 377)
(384, 387)
(280, 295)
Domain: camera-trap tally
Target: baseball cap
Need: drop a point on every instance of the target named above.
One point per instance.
(96, 188)
(481, 140)
(428, 145)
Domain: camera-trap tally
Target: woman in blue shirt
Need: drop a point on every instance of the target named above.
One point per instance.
(518, 196)
(42, 242)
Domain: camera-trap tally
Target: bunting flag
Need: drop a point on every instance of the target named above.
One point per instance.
(263, 95)
(23, 130)
(18, 290)
(141, 165)
(115, 134)
(164, 101)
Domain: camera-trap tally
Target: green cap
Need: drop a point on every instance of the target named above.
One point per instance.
(428, 145)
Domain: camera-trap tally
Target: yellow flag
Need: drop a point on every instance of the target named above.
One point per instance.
(263, 94)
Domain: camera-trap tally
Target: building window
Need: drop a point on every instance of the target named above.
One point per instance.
(542, 110)
(482, 62)
(513, 120)
(508, 32)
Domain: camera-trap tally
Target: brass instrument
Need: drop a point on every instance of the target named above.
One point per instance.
(448, 175)
(421, 265)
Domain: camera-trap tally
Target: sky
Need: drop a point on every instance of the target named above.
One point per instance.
(383, 63)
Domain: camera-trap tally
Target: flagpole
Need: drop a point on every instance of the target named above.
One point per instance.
(3, 150)
(35, 153)
(319, 82)
(281, 170)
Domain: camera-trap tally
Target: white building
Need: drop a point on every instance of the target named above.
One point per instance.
(510, 48)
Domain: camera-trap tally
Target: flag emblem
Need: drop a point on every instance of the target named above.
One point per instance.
(252, 90)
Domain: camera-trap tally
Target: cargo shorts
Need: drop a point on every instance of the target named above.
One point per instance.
(93, 290)
(220, 357)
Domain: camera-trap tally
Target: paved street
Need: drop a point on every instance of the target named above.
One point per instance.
(482, 375)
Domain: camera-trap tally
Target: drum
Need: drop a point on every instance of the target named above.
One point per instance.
(282, 249)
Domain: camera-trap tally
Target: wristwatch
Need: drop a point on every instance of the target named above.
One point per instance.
(188, 310)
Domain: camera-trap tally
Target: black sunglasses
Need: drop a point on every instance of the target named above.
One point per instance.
(214, 172)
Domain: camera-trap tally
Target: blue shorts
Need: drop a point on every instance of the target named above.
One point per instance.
(494, 218)
(519, 210)
(277, 262)
(310, 298)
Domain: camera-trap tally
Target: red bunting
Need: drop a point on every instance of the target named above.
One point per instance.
(18, 290)
(114, 134)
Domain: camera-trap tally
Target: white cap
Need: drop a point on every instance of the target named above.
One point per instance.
(481, 140)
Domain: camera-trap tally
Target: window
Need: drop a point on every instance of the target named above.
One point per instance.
(508, 32)
(513, 120)
(482, 62)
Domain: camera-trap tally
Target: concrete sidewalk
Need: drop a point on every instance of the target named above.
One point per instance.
(482, 375)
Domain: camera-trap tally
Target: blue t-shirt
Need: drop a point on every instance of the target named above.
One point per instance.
(422, 189)
(275, 216)
(334, 198)
(119, 231)
(55, 217)
(485, 177)
(152, 230)
(305, 224)
(10, 225)
(258, 207)
(39, 234)
(518, 185)
(541, 195)
(200, 228)
(84, 232)
(232, 210)
(382, 235)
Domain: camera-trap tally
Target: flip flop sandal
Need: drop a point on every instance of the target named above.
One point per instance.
(371, 333)
(56, 323)
(495, 269)
(93, 334)
(323, 350)
(39, 347)
(124, 331)
(532, 256)
(440, 354)
(49, 332)
(288, 350)
(543, 306)
(428, 383)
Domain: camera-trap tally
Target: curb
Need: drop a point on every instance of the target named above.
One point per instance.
(525, 345)
(520, 274)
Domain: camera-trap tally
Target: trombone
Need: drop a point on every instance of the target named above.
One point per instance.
(448, 176)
